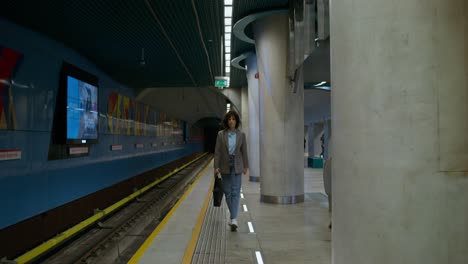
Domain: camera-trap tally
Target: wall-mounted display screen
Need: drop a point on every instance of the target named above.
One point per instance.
(82, 110)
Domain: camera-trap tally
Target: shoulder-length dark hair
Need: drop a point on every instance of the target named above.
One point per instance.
(228, 115)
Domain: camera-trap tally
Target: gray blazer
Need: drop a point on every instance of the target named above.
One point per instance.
(221, 159)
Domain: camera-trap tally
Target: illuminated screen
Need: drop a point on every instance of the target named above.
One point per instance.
(82, 110)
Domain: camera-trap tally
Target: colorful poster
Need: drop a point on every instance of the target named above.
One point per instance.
(9, 61)
(163, 123)
(118, 115)
(132, 114)
(126, 115)
(155, 113)
(146, 120)
(139, 124)
(111, 112)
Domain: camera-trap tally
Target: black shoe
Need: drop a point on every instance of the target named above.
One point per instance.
(233, 225)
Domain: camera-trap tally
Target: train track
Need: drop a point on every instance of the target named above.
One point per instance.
(118, 236)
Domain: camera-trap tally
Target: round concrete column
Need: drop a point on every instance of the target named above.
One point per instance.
(282, 115)
(400, 143)
(254, 118)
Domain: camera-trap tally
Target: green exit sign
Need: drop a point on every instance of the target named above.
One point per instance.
(222, 82)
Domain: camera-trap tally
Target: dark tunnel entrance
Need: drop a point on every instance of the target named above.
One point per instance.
(210, 126)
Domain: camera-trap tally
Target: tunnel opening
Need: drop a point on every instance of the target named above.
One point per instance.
(210, 126)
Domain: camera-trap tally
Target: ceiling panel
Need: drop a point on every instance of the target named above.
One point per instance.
(112, 33)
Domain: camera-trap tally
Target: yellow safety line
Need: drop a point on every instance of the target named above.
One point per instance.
(42, 248)
(196, 231)
(136, 257)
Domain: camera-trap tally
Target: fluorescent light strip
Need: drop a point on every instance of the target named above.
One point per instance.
(322, 83)
(227, 34)
(326, 88)
(242, 195)
(250, 227)
(259, 257)
(227, 11)
(245, 208)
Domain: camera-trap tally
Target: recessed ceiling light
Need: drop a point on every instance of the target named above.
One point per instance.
(228, 11)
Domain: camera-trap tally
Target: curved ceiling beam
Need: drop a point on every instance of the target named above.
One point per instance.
(236, 61)
(155, 17)
(239, 27)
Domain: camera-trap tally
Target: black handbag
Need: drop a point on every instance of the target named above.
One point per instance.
(218, 191)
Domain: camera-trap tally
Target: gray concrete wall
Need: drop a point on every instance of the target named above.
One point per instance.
(316, 105)
(245, 111)
(399, 75)
(235, 95)
(192, 104)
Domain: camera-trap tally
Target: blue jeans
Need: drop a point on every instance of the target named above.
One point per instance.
(231, 185)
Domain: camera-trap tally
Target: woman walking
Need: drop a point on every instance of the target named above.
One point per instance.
(231, 160)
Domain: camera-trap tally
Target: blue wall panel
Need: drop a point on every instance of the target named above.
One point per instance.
(33, 184)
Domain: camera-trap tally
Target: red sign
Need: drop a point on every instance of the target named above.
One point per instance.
(256, 75)
(116, 147)
(78, 150)
(10, 154)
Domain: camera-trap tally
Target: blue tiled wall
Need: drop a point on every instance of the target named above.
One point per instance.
(33, 184)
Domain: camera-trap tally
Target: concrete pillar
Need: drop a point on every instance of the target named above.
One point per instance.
(310, 140)
(318, 132)
(282, 118)
(327, 133)
(400, 141)
(254, 120)
(306, 146)
(245, 118)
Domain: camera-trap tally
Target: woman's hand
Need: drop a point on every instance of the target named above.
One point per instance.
(246, 170)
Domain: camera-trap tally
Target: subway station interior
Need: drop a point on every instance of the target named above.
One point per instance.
(354, 115)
